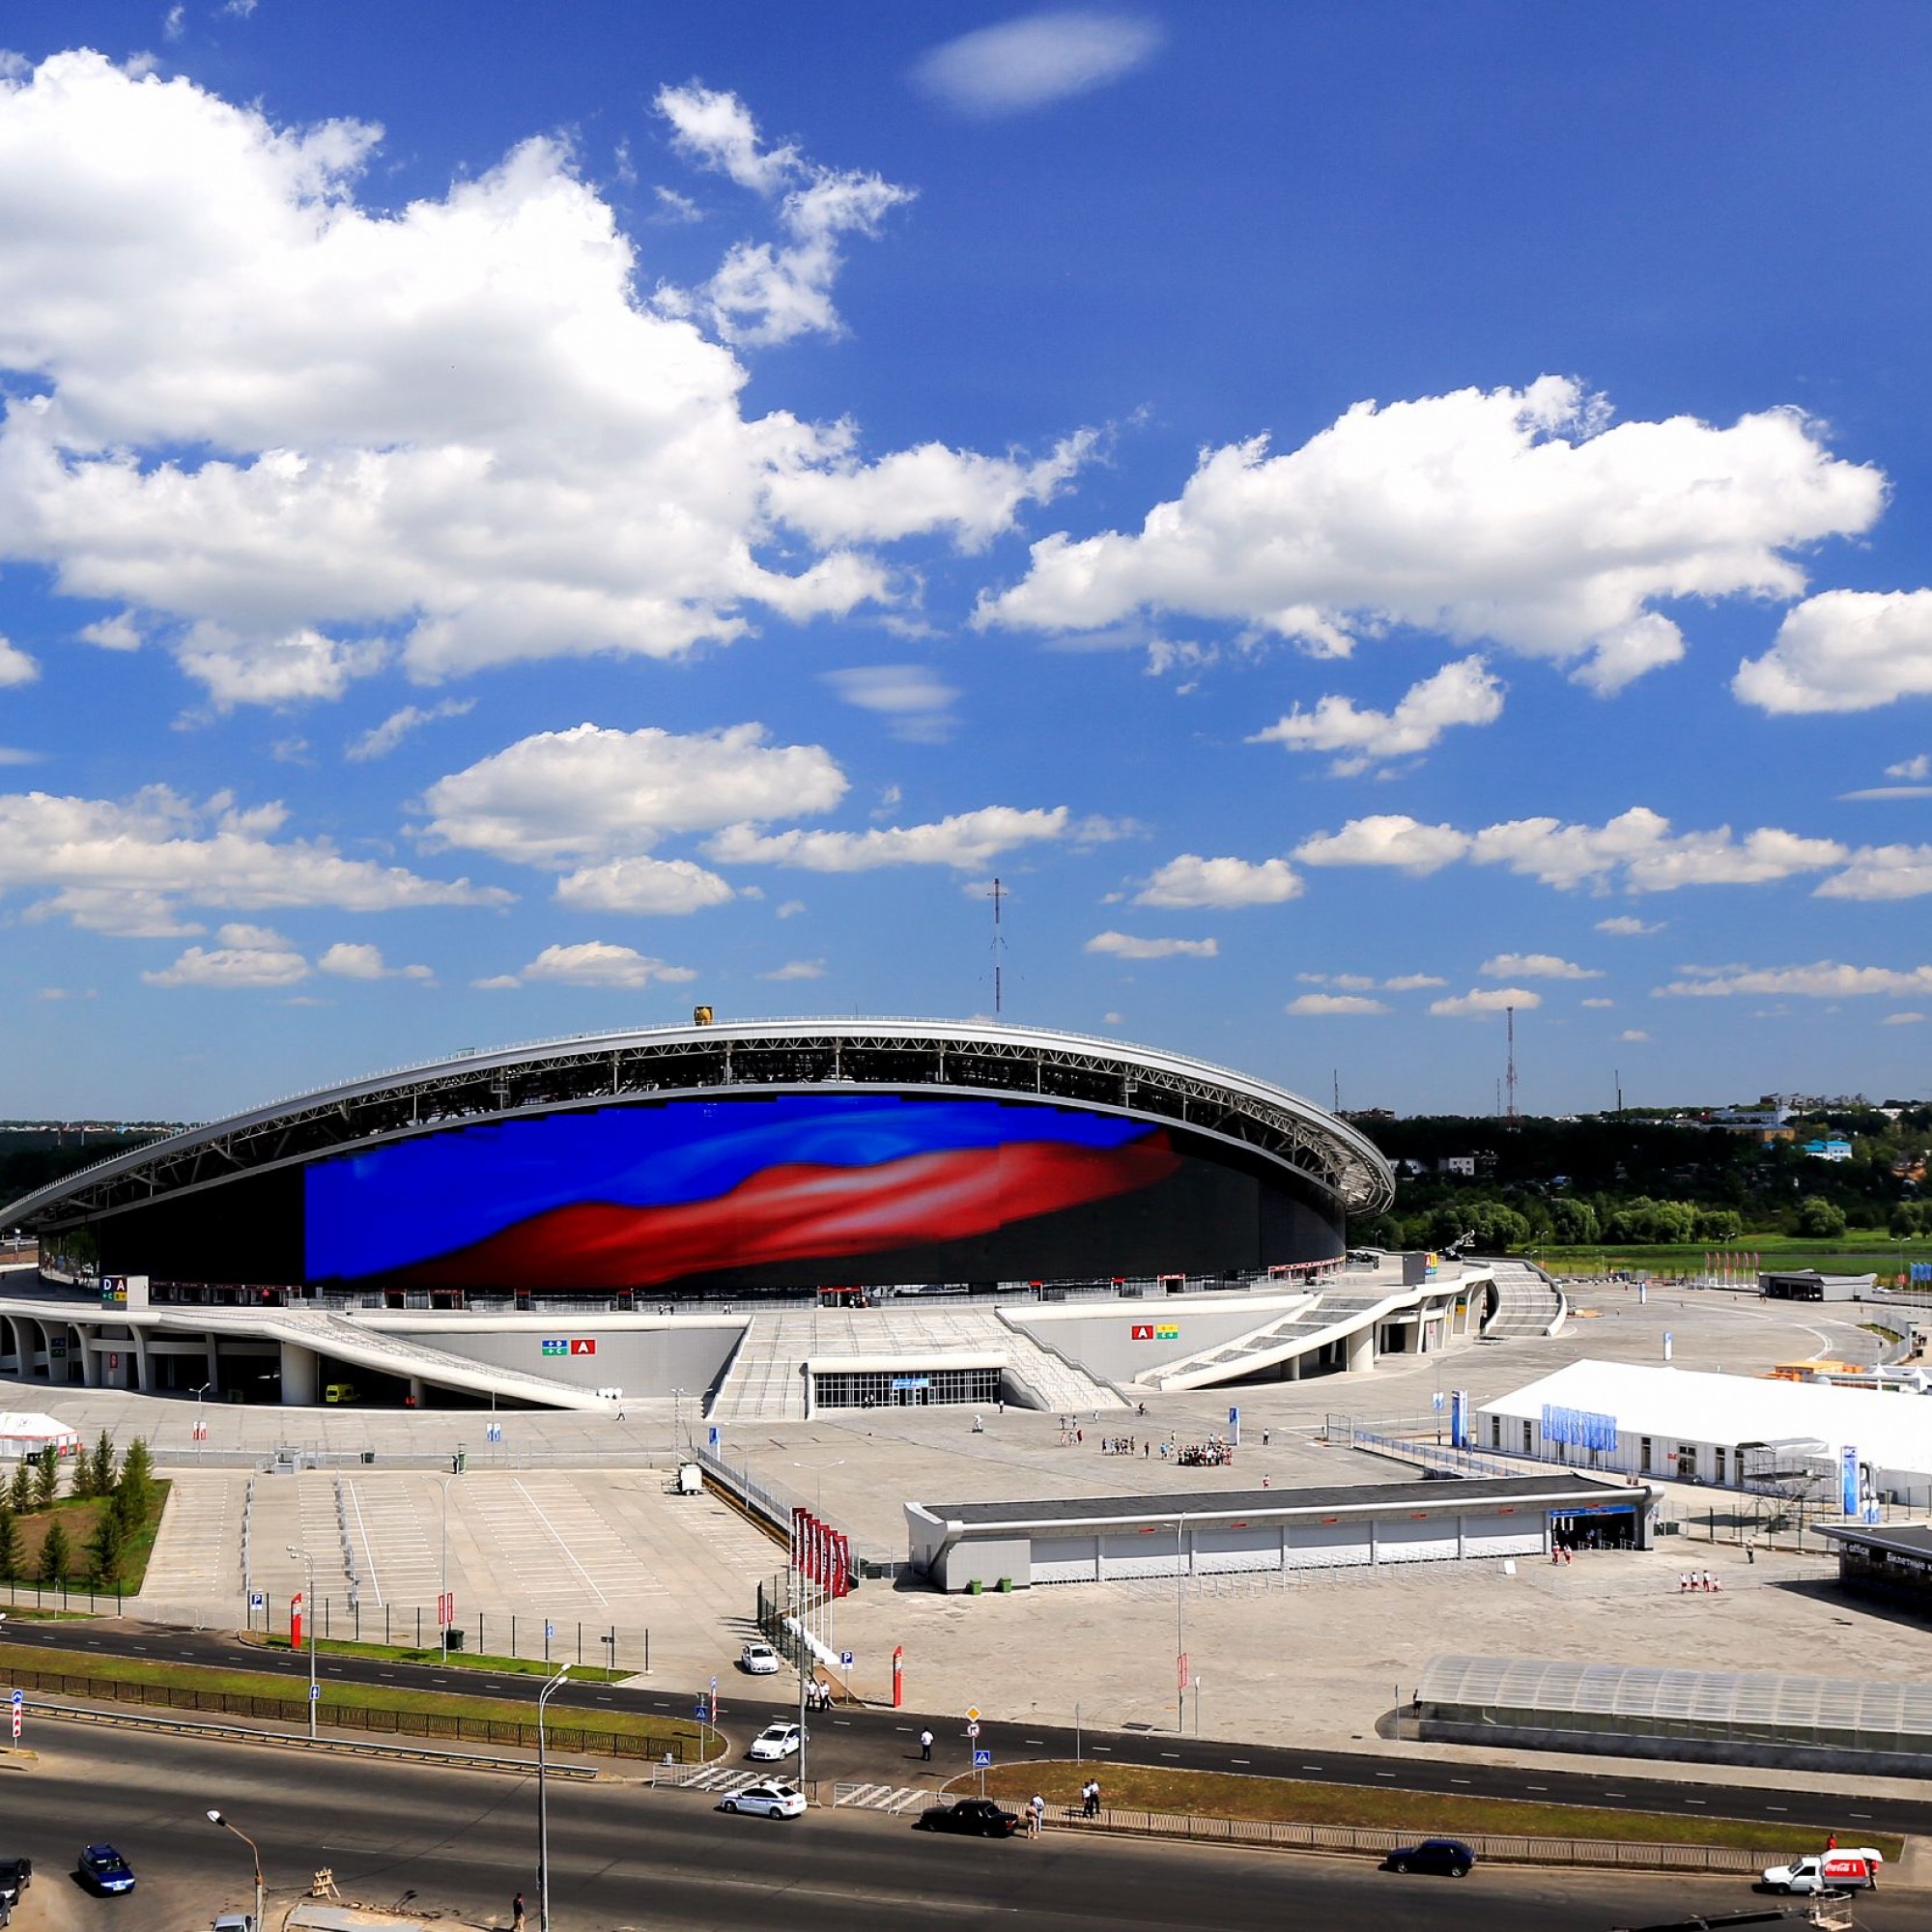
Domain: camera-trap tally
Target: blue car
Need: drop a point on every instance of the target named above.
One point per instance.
(105, 1870)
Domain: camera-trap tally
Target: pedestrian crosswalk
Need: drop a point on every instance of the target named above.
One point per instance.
(715, 1777)
(894, 1797)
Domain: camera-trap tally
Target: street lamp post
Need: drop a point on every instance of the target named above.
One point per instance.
(308, 1604)
(254, 1852)
(543, 1805)
(443, 1586)
(1180, 1623)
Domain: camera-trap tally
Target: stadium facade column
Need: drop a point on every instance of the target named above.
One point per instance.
(1291, 1371)
(302, 1376)
(211, 1364)
(1362, 1350)
(90, 1355)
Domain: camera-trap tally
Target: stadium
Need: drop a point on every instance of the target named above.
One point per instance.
(419, 1235)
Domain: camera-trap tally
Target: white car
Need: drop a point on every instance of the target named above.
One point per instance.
(1847, 1869)
(760, 1660)
(767, 1801)
(776, 1741)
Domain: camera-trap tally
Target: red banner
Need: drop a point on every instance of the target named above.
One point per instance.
(296, 1621)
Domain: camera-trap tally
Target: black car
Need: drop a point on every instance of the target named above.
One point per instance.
(975, 1817)
(105, 1870)
(15, 1876)
(1450, 1857)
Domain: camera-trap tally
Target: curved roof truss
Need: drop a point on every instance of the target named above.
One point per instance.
(594, 1069)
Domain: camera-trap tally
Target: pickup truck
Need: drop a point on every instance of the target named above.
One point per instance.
(1851, 1871)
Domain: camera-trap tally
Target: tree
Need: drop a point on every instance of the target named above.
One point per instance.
(107, 1552)
(103, 1473)
(56, 1557)
(47, 1479)
(1820, 1219)
(134, 1493)
(10, 1546)
(20, 1490)
(80, 1486)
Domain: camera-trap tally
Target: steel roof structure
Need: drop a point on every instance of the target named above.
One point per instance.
(1782, 1706)
(973, 1058)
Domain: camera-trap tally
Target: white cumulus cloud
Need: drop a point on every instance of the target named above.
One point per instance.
(1387, 838)
(1903, 1019)
(1632, 1034)
(1624, 926)
(642, 885)
(1130, 946)
(592, 793)
(965, 840)
(1914, 768)
(595, 962)
(1519, 518)
(1844, 650)
(797, 969)
(350, 961)
(1319, 1005)
(245, 955)
(16, 665)
(130, 866)
(1037, 60)
(764, 292)
(1534, 966)
(1824, 980)
(1191, 881)
(1464, 692)
(295, 436)
(1480, 1001)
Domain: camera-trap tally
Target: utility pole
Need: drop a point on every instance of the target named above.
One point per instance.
(998, 893)
(543, 1805)
(1508, 1075)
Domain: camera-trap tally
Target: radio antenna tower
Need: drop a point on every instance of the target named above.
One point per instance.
(1509, 1067)
(998, 893)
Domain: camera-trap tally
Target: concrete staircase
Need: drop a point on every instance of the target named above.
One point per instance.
(1528, 1303)
(1331, 1315)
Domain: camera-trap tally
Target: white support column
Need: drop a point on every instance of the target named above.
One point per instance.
(1362, 1351)
(302, 1376)
(212, 1366)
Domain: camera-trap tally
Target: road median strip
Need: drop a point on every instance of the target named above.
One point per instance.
(1233, 1808)
(378, 1709)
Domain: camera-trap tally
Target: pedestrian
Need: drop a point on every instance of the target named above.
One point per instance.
(1097, 1798)
(925, 1747)
(1147, 1451)
(1831, 1843)
(1265, 1483)
(1265, 1432)
(516, 1913)
(1035, 1816)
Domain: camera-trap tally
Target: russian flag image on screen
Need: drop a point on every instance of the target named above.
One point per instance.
(629, 1196)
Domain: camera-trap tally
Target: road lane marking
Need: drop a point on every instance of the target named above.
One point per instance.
(1232, 1760)
(1459, 1780)
(1170, 1753)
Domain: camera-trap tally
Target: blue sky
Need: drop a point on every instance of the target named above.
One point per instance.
(516, 521)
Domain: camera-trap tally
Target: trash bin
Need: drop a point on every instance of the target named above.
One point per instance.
(368, 1455)
(452, 1638)
(460, 1462)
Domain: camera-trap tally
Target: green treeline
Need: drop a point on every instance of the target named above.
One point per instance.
(1624, 1181)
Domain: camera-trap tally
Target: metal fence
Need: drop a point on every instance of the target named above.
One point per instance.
(655, 1747)
(1379, 1842)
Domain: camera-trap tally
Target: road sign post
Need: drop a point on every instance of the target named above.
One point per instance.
(19, 1711)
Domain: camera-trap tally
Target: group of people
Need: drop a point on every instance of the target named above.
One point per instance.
(817, 1694)
(1119, 1445)
(1697, 1581)
(1216, 1453)
(1090, 1798)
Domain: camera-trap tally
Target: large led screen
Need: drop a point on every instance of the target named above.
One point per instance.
(634, 1196)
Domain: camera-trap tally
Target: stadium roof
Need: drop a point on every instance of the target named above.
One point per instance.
(590, 1069)
(1889, 1428)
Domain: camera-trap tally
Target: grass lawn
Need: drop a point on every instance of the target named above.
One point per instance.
(191, 1677)
(457, 1660)
(1216, 1794)
(1860, 1251)
(79, 1521)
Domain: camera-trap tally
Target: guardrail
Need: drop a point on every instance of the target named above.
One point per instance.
(1379, 1842)
(419, 1723)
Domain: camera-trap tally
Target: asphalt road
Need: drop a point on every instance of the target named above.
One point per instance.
(623, 1858)
(879, 1745)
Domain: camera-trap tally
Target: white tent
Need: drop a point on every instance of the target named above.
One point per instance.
(25, 1434)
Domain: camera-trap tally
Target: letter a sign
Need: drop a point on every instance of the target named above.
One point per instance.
(1142, 1331)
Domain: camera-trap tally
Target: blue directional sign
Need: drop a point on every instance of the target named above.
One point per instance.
(982, 1760)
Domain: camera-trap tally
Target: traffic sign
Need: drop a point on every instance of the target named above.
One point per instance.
(550, 1631)
(258, 1600)
(314, 1692)
(19, 1702)
(982, 1760)
(973, 1730)
(971, 1714)
(847, 1660)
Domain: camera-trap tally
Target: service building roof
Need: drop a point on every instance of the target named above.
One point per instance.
(1892, 1430)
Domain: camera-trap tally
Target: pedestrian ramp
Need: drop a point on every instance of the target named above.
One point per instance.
(892, 1798)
